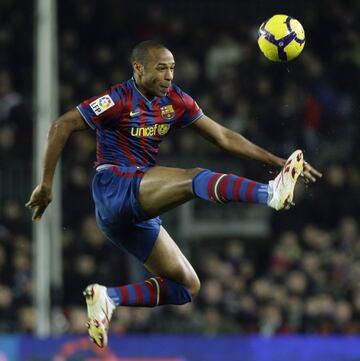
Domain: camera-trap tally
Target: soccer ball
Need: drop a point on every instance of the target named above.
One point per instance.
(281, 38)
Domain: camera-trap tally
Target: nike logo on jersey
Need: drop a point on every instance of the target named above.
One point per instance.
(134, 114)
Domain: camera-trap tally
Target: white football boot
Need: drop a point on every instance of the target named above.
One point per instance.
(99, 309)
(281, 189)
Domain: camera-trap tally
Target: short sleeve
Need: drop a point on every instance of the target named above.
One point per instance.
(100, 110)
(192, 111)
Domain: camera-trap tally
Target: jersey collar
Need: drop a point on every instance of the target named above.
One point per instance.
(133, 84)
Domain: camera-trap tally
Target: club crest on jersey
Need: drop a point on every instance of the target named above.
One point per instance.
(167, 112)
(100, 105)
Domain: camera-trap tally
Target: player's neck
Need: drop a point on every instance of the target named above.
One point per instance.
(142, 89)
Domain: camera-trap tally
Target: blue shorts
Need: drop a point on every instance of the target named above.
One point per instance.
(118, 212)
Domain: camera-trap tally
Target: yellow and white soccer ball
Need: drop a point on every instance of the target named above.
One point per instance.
(281, 38)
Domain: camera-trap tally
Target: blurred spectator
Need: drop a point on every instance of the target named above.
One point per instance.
(26, 320)
(77, 318)
(222, 57)
(7, 316)
(9, 98)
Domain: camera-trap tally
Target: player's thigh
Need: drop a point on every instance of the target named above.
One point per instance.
(167, 260)
(163, 188)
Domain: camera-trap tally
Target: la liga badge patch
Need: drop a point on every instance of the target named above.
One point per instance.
(100, 105)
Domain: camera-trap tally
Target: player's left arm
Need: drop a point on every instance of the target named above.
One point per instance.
(238, 145)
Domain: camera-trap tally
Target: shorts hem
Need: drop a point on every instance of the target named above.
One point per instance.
(139, 209)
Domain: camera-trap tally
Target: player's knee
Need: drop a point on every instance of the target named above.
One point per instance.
(193, 285)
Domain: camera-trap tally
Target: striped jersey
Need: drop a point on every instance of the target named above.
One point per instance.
(130, 127)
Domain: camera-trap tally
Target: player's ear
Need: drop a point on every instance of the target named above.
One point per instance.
(139, 68)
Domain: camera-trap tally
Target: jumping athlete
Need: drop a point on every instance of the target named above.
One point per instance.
(130, 191)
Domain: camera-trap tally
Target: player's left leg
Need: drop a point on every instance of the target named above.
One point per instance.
(163, 188)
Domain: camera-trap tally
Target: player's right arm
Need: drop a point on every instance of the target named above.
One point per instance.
(58, 135)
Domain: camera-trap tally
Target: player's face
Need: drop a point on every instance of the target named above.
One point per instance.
(158, 72)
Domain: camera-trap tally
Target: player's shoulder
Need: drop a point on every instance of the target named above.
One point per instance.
(175, 89)
(119, 91)
(122, 87)
(177, 93)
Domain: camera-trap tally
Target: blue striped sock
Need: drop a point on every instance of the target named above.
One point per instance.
(152, 292)
(223, 188)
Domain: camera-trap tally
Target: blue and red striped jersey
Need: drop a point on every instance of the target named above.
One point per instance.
(130, 127)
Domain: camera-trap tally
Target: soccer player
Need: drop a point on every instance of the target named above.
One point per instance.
(130, 191)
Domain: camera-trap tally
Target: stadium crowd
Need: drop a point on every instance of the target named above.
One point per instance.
(305, 276)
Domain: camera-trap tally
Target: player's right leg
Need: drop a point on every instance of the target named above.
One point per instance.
(174, 282)
(99, 309)
(166, 260)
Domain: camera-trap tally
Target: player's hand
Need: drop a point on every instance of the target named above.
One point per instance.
(310, 174)
(39, 200)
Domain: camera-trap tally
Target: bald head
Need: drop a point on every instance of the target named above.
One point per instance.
(141, 52)
(153, 66)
